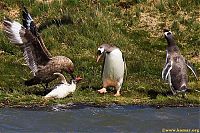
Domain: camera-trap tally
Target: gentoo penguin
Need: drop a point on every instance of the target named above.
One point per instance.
(113, 67)
(37, 57)
(64, 89)
(175, 69)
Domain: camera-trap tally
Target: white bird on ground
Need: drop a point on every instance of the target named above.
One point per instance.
(113, 67)
(64, 89)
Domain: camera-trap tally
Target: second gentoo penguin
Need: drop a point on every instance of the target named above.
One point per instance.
(64, 89)
(37, 57)
(175, 69)
(113, 67)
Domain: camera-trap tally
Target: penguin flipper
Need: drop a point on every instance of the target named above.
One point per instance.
(189, 65)
(125, 69)
(170, 84)
(166, 70)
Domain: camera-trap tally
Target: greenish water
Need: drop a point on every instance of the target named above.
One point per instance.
(136, 119)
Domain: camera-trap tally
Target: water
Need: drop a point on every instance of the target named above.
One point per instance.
(100, 119)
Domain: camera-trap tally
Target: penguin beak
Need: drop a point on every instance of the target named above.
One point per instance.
(78, 79)
(98, 57)
(99, 53)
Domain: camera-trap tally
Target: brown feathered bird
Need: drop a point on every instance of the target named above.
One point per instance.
(36, 55)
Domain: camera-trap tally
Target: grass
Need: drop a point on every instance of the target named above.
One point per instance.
(134, 26)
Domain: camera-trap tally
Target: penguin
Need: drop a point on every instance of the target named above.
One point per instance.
(175, 69)
(64, 89)
(113, 67)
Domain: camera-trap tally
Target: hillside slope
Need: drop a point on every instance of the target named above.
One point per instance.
(133, 25)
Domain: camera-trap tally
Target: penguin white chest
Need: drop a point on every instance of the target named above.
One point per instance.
(113, 66)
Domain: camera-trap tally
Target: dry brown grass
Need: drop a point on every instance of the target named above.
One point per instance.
(45, 1)
(13, 13)
(150, 23)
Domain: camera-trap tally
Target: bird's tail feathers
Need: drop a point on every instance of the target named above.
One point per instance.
(183, 89)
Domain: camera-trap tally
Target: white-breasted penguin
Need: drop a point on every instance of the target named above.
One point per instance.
(175, 69)
(113, 67)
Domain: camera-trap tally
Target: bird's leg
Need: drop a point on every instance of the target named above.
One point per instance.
(72, 76)
(172, 89)
(118, 88)
(45, 86)
(184, 95)
(103, 90)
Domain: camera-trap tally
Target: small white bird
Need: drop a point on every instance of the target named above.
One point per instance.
(113, 67)
(64, 89)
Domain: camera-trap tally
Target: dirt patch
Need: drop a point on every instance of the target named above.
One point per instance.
(3, 6)
(198, 18)
(45, 1)
(151, 23)
(196, 59)
(14, 13)
(1, 26)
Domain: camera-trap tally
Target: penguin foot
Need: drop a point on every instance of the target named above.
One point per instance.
(117, 94)
(103, 90)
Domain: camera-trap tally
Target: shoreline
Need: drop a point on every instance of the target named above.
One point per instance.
(77, 105)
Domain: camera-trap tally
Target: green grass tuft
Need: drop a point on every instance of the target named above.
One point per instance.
(134, 26)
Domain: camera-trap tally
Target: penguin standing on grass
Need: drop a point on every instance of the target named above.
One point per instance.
(175, 69)
(113, 67)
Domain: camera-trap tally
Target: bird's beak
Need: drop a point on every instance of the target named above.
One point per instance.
(98, 57)
(78, 79)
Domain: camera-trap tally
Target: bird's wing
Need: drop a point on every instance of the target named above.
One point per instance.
(103, 67)
(170, 84)
(125, 69)
(29, 24)
(167, 58)
(189, 65)
(166, 67)
(166, 70)
(34, 53)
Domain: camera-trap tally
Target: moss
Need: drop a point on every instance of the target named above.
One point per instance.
(134, 26)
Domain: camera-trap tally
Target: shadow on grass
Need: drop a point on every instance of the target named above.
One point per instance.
(153, 94)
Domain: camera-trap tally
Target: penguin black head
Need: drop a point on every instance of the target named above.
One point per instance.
(167, 33)
(169, 37)
(104, 48)
(100, 52)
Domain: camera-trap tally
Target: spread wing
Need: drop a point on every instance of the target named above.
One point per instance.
(33, 51)
(29, 24)
(189, 65)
